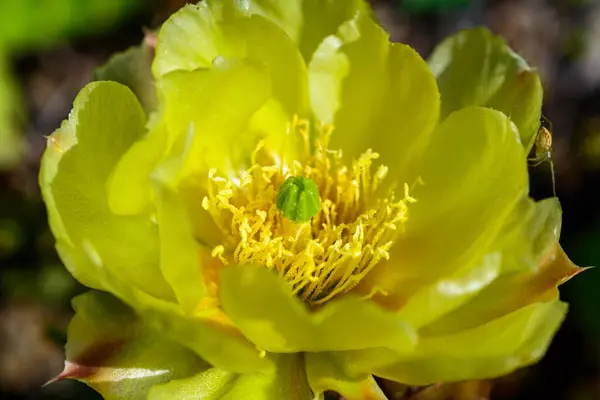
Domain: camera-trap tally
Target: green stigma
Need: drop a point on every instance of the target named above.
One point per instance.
(298, 199)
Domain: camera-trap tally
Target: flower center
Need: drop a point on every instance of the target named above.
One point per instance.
(326, 255)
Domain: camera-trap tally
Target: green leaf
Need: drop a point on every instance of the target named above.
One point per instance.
(324, 373)
(487, 351)
(132, 68)
(377, 94)
(474, 173)
(106, 120)
(476, 68)
(264, 308)
(111, 350)
(287, 381)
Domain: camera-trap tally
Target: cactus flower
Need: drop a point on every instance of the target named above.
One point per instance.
(279, 202)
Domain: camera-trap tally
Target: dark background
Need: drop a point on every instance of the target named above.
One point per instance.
(49, 50)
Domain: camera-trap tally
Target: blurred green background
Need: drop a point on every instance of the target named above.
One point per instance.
(49, 49)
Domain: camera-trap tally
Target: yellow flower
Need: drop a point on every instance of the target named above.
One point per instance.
(299, 211)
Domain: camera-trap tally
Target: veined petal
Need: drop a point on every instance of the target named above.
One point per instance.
(287, 381)
(477, 68)
(111, 350)
(493, 349)
(474, 173)
(263, 306)
(377, 94)
(324, 373)
(75, 168)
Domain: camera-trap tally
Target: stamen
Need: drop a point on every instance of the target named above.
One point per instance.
(326, 255)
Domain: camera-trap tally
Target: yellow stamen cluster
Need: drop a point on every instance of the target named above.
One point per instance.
(328, 255)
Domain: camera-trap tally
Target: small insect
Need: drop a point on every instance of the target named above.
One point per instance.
(543, 149)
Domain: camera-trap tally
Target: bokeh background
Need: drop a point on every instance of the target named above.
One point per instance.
(49, 49)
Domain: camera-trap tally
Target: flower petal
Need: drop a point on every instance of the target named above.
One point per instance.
(179, 260)
(512, 341)
(307, 22)
(264, 308)
(207, 111)
(225, 32)
(111, 350)
(474, 174)
(510, 292)
(129, 187)
(132, 68)
(190, 39)
(477, 68)
(324, 373)
(530, 231)
(208, 332)
(287, 381)
(451, 292)
(377, 94)
(207, 385)
(105, 121)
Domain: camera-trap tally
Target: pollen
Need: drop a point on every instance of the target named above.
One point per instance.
(330, 253)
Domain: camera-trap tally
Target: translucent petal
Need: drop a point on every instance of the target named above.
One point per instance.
(209, 110)
(129, 185)
(528, 234)
(377, 94)
(477, 68)
(106, 120)
(264, 308)
(307, 22)
(132, 68)
(474, 173)
(179, 260)
(193, 24)
(217, 30)
(510, 292)
(486, 351)
(111, 350)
